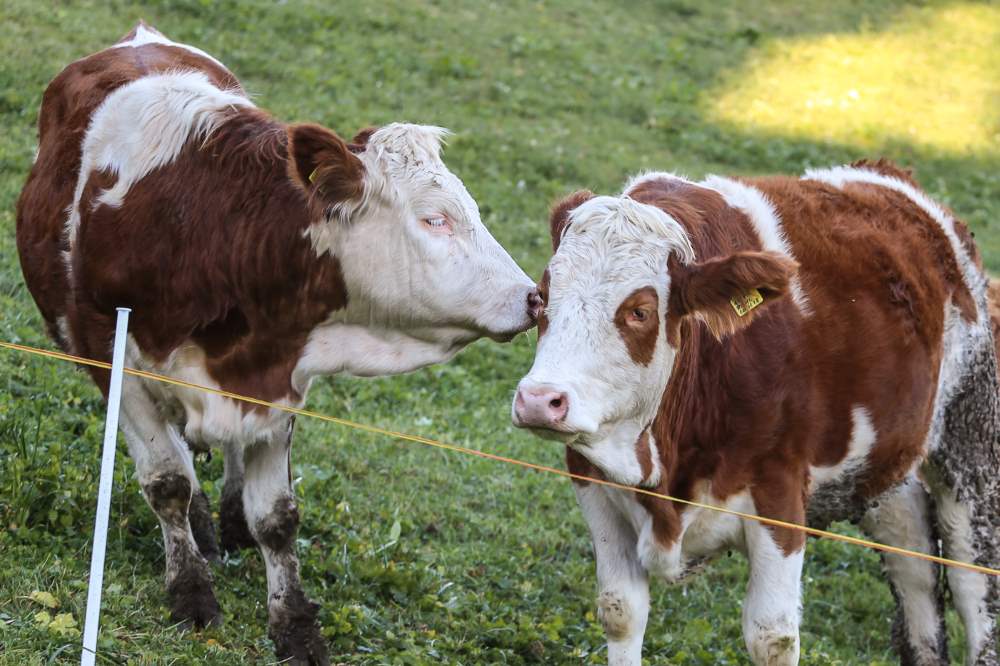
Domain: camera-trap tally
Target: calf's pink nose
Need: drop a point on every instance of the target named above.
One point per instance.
(541, 407)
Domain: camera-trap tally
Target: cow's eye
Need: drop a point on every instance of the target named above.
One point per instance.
(639, 314)
(437, 223)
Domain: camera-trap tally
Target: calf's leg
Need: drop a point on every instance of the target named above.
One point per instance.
(623, 598)
(772, 607)
(167, 478)
(274, 519)
(902, 518)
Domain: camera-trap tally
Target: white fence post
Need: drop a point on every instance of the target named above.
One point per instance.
(104, 493)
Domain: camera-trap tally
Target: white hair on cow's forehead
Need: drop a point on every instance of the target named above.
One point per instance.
(396, 154)
(617, 221)
(407, 145)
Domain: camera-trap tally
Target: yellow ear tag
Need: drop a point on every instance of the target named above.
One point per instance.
(745, 303)
(312, 176)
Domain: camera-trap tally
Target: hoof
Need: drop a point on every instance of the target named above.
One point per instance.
(200, 516)
(295, 632)
(234, 533)
(192, 602)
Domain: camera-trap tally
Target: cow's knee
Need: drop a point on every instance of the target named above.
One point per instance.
(276, 529)
(169, 495)
(616, 614)
(774, 645)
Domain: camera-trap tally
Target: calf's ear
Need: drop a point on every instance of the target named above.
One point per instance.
(559, 217)
(730, 292)
(323, 165)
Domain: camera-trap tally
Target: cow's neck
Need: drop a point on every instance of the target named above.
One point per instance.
(350, 343)
(616, 453)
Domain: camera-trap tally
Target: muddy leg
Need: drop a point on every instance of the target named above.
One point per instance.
(274, 519)
(234, 533)
(202, 527)
(166, 476)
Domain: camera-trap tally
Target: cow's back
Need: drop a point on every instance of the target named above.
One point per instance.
(68, 105)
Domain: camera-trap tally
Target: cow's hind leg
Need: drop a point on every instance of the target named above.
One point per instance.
(902, 518)
(167, 478)
(202, 527)
(234, 533)
(274, 519)
(962, 472)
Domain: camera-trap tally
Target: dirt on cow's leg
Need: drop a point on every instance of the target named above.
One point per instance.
(202, 527)
(168, 481)
(234, 533)
(962, 474)
(189, 583)
(274, 519)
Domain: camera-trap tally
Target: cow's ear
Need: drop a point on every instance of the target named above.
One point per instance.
(360, 140)
(729, 292)
(323, 165)
(559, 217)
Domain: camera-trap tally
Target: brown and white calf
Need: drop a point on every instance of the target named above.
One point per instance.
(255, 256)
(807, 349)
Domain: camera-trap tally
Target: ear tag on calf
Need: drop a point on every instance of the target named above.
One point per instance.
(744, 303)
(312, 176)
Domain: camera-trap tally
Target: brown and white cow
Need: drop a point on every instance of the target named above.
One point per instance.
(255, 256)
(807, 349)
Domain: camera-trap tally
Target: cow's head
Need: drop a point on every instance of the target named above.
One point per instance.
(413, 250)
(622, 277)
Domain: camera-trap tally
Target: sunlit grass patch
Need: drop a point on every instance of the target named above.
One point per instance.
(931, 79)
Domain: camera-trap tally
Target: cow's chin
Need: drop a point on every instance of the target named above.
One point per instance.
(510, 331)
(567, 438)
(505, 336)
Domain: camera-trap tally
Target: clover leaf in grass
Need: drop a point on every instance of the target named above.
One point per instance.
(46, 599)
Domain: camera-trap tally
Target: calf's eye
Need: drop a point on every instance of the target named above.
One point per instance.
(639, 314)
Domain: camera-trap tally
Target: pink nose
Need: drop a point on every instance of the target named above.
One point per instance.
(541, 407)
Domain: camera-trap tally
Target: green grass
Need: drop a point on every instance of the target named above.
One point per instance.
(493, 563)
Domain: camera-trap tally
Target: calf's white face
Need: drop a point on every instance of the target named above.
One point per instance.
(603, 360)
(414, 253)
(622, 272)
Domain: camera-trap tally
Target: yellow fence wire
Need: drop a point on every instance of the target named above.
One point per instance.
(825, 534)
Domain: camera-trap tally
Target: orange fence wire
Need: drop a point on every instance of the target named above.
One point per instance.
(513, 461)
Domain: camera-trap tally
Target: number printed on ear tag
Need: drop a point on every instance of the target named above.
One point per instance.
(745, 303)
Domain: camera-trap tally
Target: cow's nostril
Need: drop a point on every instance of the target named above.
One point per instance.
(557, 403)
(534, 304)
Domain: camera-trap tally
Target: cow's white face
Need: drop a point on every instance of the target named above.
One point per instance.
(414, 253)
(603, 359)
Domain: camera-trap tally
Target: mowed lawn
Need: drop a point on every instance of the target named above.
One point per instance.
(420, 556)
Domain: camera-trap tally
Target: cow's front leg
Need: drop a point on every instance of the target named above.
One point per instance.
(168, 481)
(773, 604)
(273, 519)
(623, 586)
